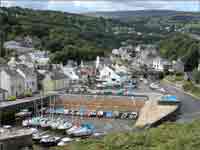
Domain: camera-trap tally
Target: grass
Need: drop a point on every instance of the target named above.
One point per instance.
(191, 88)
(170, 136)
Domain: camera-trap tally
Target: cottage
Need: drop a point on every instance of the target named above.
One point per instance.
(30, 77)
(55, 80)
(12, 81)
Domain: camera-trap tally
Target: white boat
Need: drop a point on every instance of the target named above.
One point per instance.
(26, 123)
(34, 130)
(38, 136)
(50, 141)
(64, 126)
(72, 129)
(83, 130)
(64, 141)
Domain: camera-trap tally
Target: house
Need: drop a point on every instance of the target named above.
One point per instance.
(12, 81)
(107, 74)
(55, 80)
(18, 47)
(41, 58)
(178, 66)
(70, 73)
(3, 94)
(160, 64)
(30, 77)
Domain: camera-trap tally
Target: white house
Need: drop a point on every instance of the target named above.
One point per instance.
(12, 81)
(70, 72)
(107, 74)
(158, 64)
(41, 57)
(30, 77)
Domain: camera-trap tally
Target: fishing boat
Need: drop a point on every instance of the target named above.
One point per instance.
(64, 141)
(50, 141)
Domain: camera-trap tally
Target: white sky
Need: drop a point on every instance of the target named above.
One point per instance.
(83, 6)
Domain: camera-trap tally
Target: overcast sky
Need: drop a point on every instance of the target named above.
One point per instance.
(84, 6)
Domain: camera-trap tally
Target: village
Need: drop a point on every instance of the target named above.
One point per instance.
(106, 95)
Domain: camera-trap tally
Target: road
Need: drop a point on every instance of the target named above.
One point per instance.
(190, 107)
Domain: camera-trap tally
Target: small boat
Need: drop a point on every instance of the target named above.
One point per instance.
(34, 130)
(99, 134)
(132, 115)
(72, 129)
(50, 141)
(82, 131)
(38, 136)
(64, 141)
(26, 123)
(100, 114)
(54, 124)
(64, 126)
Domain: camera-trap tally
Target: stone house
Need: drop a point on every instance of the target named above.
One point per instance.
(30, 77)
(55, 80)
(12, 81)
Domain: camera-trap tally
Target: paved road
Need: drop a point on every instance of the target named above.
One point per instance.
(190, 108)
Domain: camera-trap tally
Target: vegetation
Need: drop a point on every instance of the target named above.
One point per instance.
(170, 136)
(196, 76)
(67, 36)
(12, 98)
(181, 46)
(190, 87)
(28, 93)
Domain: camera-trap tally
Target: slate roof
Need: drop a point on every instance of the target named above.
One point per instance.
(12, 72)
(57, 75)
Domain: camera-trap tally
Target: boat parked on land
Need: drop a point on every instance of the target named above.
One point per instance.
(50, 141)
(64, 141)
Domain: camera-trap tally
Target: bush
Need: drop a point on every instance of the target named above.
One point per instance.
(28, 94)
(12, 98)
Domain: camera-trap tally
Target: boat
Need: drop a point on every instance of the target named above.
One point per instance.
(34, 130)
(45, 123)
(64, 141)
(38, 136)
(50, 141)
(99, 134)
(26, 123)
(64, 125)
(72, 129)
(132, 115)
(82, 131)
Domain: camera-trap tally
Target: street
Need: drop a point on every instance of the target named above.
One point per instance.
(190, 107)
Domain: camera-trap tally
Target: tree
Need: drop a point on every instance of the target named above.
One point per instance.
(196, 76)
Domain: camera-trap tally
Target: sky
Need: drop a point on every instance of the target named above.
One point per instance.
(85, 6)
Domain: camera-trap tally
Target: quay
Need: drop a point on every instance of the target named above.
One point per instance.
(15, 139)
(154, 112)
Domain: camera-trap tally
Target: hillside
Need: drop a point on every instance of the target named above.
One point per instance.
(171, 136)
(65, 35)
(124, 15)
